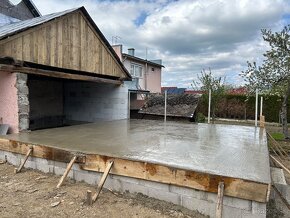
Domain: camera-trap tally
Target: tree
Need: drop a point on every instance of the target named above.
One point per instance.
(273, 76)
(206, 81)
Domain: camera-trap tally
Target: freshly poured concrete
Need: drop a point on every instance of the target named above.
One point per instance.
(233, 151)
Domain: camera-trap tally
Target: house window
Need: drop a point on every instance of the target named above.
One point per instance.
(136, 70)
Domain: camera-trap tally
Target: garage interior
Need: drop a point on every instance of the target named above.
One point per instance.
(59, 102)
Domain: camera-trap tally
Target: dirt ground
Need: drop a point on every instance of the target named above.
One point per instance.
(33, 194)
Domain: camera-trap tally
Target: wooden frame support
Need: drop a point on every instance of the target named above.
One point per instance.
(102, 181)
(17, 170)
(69, 166)
(89, 197)
(280, 164)
(235, 187)
(220, 197)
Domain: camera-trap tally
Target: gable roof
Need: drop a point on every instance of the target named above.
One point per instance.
(17, 27)
(21, 26)
(142, 60)
(33, 9)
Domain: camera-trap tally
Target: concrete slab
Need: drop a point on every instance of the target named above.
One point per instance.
(226, 150)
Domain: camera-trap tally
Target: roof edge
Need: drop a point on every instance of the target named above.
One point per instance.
(33, 9)
(143, 60)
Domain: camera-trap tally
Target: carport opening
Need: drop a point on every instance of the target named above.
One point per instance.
(59, 102)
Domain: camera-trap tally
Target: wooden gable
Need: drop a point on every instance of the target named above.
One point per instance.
(69, 42)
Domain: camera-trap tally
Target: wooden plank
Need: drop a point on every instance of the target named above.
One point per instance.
(220, 197)
(89, 198)
(235, 187)
(69, 166)
(39, 151)
(17, 170)
(57, 74)
(102, 181)
(280, 164)
(201, 181)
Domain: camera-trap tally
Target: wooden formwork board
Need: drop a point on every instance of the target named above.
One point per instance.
(234, 187)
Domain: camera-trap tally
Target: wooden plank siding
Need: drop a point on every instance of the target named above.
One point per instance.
(68, 42)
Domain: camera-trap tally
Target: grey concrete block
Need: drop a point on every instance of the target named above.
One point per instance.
(155, 185)
(31, 164)
(85, 176)
(259, 209)
(43, 165)
(134, 188)
(185, 191)
(229, 212)
(14, 159)
(202, 206)
(231, 202)
(165, 196)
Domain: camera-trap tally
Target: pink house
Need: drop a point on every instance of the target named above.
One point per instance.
(146, 73)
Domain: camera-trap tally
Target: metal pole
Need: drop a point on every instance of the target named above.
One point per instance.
(165, 104)
(129, 105)
(261, 107)
(256, 109)
(209, 102)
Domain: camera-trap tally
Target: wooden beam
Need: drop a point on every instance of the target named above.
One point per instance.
(240, 188)
(102, 181)
(69, 166)
(280, 164)
(89, 198)
(56, 74)
(17, 170)
(262, 121)
(220, 197)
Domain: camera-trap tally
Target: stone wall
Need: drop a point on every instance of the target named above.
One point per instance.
(23, 102)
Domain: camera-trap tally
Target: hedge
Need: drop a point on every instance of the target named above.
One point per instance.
(243, 107)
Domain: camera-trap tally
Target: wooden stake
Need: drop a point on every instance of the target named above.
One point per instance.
(262, 121)
(24, 161)
(69, 166)
(280, 164)
(102, 181)
(89, 198)
(220, 196)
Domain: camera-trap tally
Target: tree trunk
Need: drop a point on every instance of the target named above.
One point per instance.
(284, 112)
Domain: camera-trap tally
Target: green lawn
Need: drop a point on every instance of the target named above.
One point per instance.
(277, 136)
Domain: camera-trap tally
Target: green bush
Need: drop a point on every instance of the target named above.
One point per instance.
(200, 118)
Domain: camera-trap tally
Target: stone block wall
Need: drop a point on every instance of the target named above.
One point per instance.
(23, 101)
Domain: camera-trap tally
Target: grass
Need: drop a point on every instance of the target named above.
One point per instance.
(277, 136)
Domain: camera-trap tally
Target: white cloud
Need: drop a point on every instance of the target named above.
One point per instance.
(188, 35)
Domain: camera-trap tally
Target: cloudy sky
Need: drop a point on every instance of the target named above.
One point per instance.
(188, 35)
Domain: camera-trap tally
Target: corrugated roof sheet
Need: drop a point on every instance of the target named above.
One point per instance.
(6, 20)
(20, 26)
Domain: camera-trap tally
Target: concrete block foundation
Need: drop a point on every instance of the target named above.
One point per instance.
(204, 202)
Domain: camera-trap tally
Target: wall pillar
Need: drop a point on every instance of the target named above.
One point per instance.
(23, 102)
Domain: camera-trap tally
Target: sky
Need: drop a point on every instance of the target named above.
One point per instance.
(188, 35)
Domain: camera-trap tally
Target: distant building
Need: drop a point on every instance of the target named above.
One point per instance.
(146, 74)
(10, 13)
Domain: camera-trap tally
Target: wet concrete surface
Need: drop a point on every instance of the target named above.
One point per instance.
(227, 150)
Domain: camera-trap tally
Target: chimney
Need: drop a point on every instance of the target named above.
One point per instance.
(131, 51)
